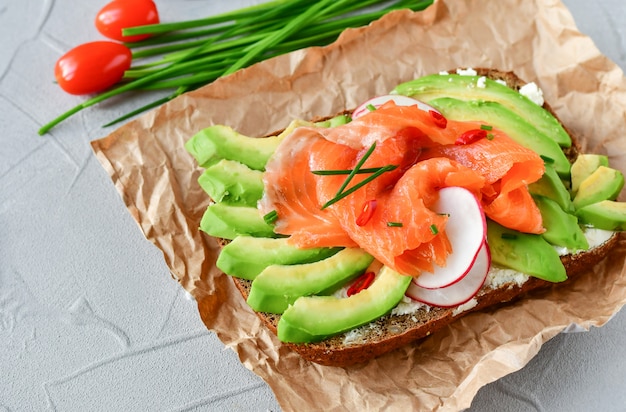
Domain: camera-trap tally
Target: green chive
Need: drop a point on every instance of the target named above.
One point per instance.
(486, 127)
(277, 36)
(359, 185)
(490, 136)
(394, 224)
(348, 171)
(433, 229)
(271, 217)
(370, 107)
(250, 11)
(141, 109)
(356, 168)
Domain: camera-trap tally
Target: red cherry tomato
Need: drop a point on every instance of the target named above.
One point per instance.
(123, 14)
(92, 67)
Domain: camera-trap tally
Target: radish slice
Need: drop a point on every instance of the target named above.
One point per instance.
(466, 229)
(398, 99)
(460, 292)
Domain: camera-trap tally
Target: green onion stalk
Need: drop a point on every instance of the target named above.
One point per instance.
(183, 56)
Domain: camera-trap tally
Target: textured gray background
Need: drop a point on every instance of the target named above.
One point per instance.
(90, 318)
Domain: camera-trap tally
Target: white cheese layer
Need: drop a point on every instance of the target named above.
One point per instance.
(533, 92)
(595, 237)
(466, 72)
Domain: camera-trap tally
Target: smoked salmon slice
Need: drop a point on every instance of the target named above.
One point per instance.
(291, 190)
(400, 229)
(508, 169)
(387, 121)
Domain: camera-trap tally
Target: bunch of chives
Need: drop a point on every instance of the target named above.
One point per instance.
(186, 55)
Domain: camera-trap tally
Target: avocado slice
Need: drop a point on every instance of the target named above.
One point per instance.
(552, 186)
(232, 182)
(434, 86)
(584, 165)
(334, 121)
(278, 286)
(606, 215)
(314, 318)
(218, 142)
(246, 256)
(214, 143)
(503, 118)
(228, 222)
(562, 228)
(604, 183)
(525, 253)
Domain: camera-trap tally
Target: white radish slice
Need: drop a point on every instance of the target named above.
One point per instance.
(460, 292)
(466, 229)
(400, 100)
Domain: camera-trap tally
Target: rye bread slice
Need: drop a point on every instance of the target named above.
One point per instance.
(396, 330)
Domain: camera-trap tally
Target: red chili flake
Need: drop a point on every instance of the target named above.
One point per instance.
(471, 136)
(440, 120)
(366, 214)
(361, 283)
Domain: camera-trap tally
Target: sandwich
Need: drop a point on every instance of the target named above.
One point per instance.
(357, 233)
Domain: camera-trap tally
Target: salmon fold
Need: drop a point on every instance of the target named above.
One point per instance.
(390, 216)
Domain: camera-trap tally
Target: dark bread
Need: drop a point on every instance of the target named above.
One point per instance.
(396, 330)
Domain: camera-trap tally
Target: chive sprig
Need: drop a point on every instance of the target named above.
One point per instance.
(342, 192)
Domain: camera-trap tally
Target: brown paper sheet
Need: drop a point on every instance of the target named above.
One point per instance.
(157, 181)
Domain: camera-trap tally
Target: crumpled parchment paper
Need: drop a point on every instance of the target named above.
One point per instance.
(156, 178)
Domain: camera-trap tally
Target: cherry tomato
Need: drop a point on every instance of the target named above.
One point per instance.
(92, 67)
(123, 14)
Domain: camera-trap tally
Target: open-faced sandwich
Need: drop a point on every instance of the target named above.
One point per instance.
(355, 234)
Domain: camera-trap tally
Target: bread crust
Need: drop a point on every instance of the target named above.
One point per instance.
(395, 331)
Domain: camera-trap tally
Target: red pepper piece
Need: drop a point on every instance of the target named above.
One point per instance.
(471, 136)
(440, 120)
(366, 214)
(362, 282)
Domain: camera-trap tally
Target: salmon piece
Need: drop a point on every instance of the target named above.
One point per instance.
(400, 230)
(385, 122)
(299, 195)
(516, 210)
(420, 241)
(507, 166)
(291, 190)
(413, 262)
(508, 169)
